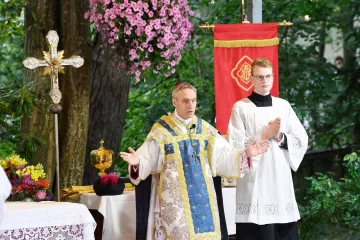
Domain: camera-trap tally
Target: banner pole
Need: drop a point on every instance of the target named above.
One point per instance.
(208, 26)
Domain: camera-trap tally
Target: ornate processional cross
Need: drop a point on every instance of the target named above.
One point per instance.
(53, 62)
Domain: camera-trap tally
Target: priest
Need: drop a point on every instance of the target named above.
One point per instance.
(266, 207)
(183, 153)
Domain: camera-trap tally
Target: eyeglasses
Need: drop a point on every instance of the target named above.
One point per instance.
(267, 77)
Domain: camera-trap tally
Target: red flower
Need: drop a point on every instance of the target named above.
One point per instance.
(104, 179)
(109, 179)
(113, 179)
(24, 186)
(18, 189)
(32, 191)
(42, 183)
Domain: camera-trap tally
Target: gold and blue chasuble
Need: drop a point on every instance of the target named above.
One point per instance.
(187, 198)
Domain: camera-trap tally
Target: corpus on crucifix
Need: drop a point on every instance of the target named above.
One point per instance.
(53, 62)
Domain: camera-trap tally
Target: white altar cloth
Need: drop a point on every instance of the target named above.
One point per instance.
(229, 198)
(119, 213)
(26, 220)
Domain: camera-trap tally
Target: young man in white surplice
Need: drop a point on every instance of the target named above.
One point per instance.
(5, 189)
(266, 207)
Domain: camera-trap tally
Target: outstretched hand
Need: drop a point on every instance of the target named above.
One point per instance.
(256, 148)
(131, 157)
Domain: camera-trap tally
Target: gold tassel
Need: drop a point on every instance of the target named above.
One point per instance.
(246, 43)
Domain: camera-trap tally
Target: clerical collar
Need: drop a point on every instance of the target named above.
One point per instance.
(180, 119)
(260, 100)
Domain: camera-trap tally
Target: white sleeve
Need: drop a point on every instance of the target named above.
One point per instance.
(297, 140)
(151, 160)
(227, 161)
(238, 136)
(5, 190)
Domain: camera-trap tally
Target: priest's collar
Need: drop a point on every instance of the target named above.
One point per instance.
(186, 122)
(260, 100)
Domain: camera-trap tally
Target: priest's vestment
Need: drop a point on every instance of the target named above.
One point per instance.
(183, 159)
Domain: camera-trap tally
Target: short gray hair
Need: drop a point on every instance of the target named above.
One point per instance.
(180, 86)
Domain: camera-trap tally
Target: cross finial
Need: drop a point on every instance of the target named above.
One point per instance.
(53, 62)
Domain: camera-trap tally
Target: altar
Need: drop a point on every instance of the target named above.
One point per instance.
(47, 221)
(119, 213)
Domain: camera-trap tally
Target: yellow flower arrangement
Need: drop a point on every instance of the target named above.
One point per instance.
(13, 160)
(27, 181)
(35, 172)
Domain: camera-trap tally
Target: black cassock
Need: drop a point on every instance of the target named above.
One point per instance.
(142, 196)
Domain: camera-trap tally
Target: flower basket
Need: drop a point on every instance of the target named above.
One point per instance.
(28, 182)
(109, 184)
(154, 32)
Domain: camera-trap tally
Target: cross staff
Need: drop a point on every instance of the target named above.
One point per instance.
(53, 62)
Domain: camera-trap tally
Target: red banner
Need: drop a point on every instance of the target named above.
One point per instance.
(236, 46)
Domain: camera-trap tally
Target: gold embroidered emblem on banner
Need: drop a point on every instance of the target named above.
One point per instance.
(241, 73)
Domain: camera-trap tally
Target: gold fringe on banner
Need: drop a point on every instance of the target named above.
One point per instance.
(246, 43)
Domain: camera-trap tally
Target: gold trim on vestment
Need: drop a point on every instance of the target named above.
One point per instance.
(210, 150)
(181, 176)
(209, 187)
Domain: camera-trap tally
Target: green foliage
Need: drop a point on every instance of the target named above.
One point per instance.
(331, 209)
(327, 95)
(11, 22)
(16, 99)
(11, 57)
(323, 95)
(320, 93)
(11, 41)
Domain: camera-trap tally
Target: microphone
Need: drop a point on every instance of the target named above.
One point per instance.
(193, 126)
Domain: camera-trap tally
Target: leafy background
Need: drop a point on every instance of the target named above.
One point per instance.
(325, 98)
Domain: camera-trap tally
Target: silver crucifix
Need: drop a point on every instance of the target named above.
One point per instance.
(53, 62)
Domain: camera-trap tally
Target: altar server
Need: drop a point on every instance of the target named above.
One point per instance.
(266, 207)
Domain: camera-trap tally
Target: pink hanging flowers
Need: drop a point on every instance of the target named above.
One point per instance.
(154, 31)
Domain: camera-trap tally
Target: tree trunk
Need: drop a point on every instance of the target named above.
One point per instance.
(75, 86)
(350, 69)
(40, 17)
(108, 101)
(322, 36)
(65, 17)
